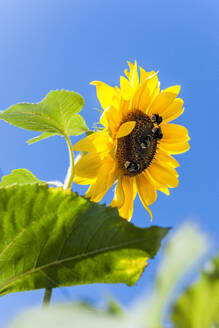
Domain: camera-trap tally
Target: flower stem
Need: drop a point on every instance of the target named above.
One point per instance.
(71, 170)
(67, 185)
(47, 296)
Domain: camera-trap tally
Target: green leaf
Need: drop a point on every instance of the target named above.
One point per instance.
(198, 305)
(181, 253)
(76, 125)
(44, 135)
(52, 238)
(56, 114)
(21, 177)
(89, 132)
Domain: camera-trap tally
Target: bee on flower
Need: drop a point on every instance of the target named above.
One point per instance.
(135, 145)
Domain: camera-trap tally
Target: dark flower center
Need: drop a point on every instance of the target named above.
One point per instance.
(136, 150)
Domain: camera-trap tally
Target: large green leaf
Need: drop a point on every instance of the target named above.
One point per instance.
(21, 177)
(56, 114)
(51, 238)
(199, 304)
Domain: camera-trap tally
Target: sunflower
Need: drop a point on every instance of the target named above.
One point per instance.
(133, 146)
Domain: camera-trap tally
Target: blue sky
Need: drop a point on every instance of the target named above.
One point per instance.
(47, 45)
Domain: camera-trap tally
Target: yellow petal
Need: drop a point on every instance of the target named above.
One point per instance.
(147, 97)
(153, 82)
(146, 189)
(142, 92)
(143, 74)
(146, 92)
(163, 156)
(158, 185)
(107, 175)
(104, 120)
(124, 107)
(111, 118)
(125, 86)
(147, 75)
(105, 93)
(126, 128)
(119, 196)
(83, 181)
(164, 175)
(174, 116)
(133, 77)
(174, 133)
(175, 148)
(175, 89)
(86, 168)
(163, 100)
(173, 111)
(127, 208)
(96, 142)
(129, 73)
(137, 97)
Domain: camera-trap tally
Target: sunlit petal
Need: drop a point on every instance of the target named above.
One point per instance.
(106, 177)
(126, 210)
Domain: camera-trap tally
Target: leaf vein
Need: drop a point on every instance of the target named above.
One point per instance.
(71, 258)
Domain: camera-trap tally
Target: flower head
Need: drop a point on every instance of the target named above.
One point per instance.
(136, 141)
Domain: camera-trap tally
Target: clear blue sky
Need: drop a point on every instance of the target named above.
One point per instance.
(66, 44)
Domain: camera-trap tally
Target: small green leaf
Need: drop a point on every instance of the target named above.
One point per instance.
(21, 177)
(44, 135)
(89, 132)
(52, 238)
(198, 305)
(56, 114)
(76, 125)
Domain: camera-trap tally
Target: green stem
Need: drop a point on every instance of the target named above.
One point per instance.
(47, 296)
(71, 170)
(67, 185)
